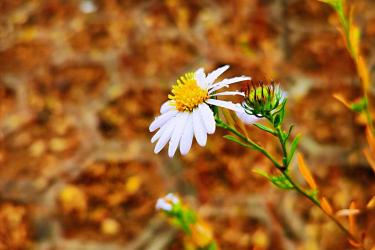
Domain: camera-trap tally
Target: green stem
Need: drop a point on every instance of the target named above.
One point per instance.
(280, 135)
(345, 23)
(256, 146)
(317, 203)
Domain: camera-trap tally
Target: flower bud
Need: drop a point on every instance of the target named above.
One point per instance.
(263, 100)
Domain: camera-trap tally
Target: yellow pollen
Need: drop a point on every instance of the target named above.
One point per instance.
(186, 93)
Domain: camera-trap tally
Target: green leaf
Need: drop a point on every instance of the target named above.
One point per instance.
(359, 105)
(293, 148)
(182, 217)
(237, 140)
(289, 132)
(283, 110)
(277, 120)
(282, 182)
(211, 246)
(265, 128)
(313, 193)
(336, 4)
(279, 114)
(279, 181)
(261, 172)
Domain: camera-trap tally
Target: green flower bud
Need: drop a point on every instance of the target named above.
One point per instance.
(263, 100)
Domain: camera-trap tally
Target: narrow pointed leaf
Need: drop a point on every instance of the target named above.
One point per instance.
(279, 181)
(265, 128)
(228, 117)
(293, 148)
(238, 140)
(360, 105)
(304, 170)
(371, 203)
(289, 132)
(351, 218)
(326, 206)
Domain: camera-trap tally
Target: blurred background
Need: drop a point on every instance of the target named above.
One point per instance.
(81, 80)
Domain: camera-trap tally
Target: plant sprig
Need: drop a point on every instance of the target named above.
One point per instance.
(284, 180)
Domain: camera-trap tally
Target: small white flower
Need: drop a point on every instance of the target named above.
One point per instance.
(166, 203)
(88, 6)
(187, 113)
(172, 198)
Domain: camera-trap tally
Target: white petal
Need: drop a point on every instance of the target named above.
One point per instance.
(211, 77)
(246, 118)
(227, 82)
(177, 132)
(157, 135)
(166, 107)
(187, 137)
(199, 129)
(162, 119)
(162, 204)
(284, 94)
(207, 117)
(225, 104)
(165, 136)
(200, 77)
(173, 198)
(229, 93)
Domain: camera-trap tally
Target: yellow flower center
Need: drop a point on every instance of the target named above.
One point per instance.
(186, 93)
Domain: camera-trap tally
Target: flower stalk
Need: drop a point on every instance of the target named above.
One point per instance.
(275, 118)
(198, 234)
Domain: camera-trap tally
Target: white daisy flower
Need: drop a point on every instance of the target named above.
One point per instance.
(187, 113)
(166, 203)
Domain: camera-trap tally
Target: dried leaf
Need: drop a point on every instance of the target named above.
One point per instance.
(370, 158)
(201, 234)
(371, 203)
(351, 218)
(240, 124)
(354, 36)
(342, 99)
(363, 72)
(370, 139)
(354, 243)
(228, 117)
(326, 206)
(304, 170)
